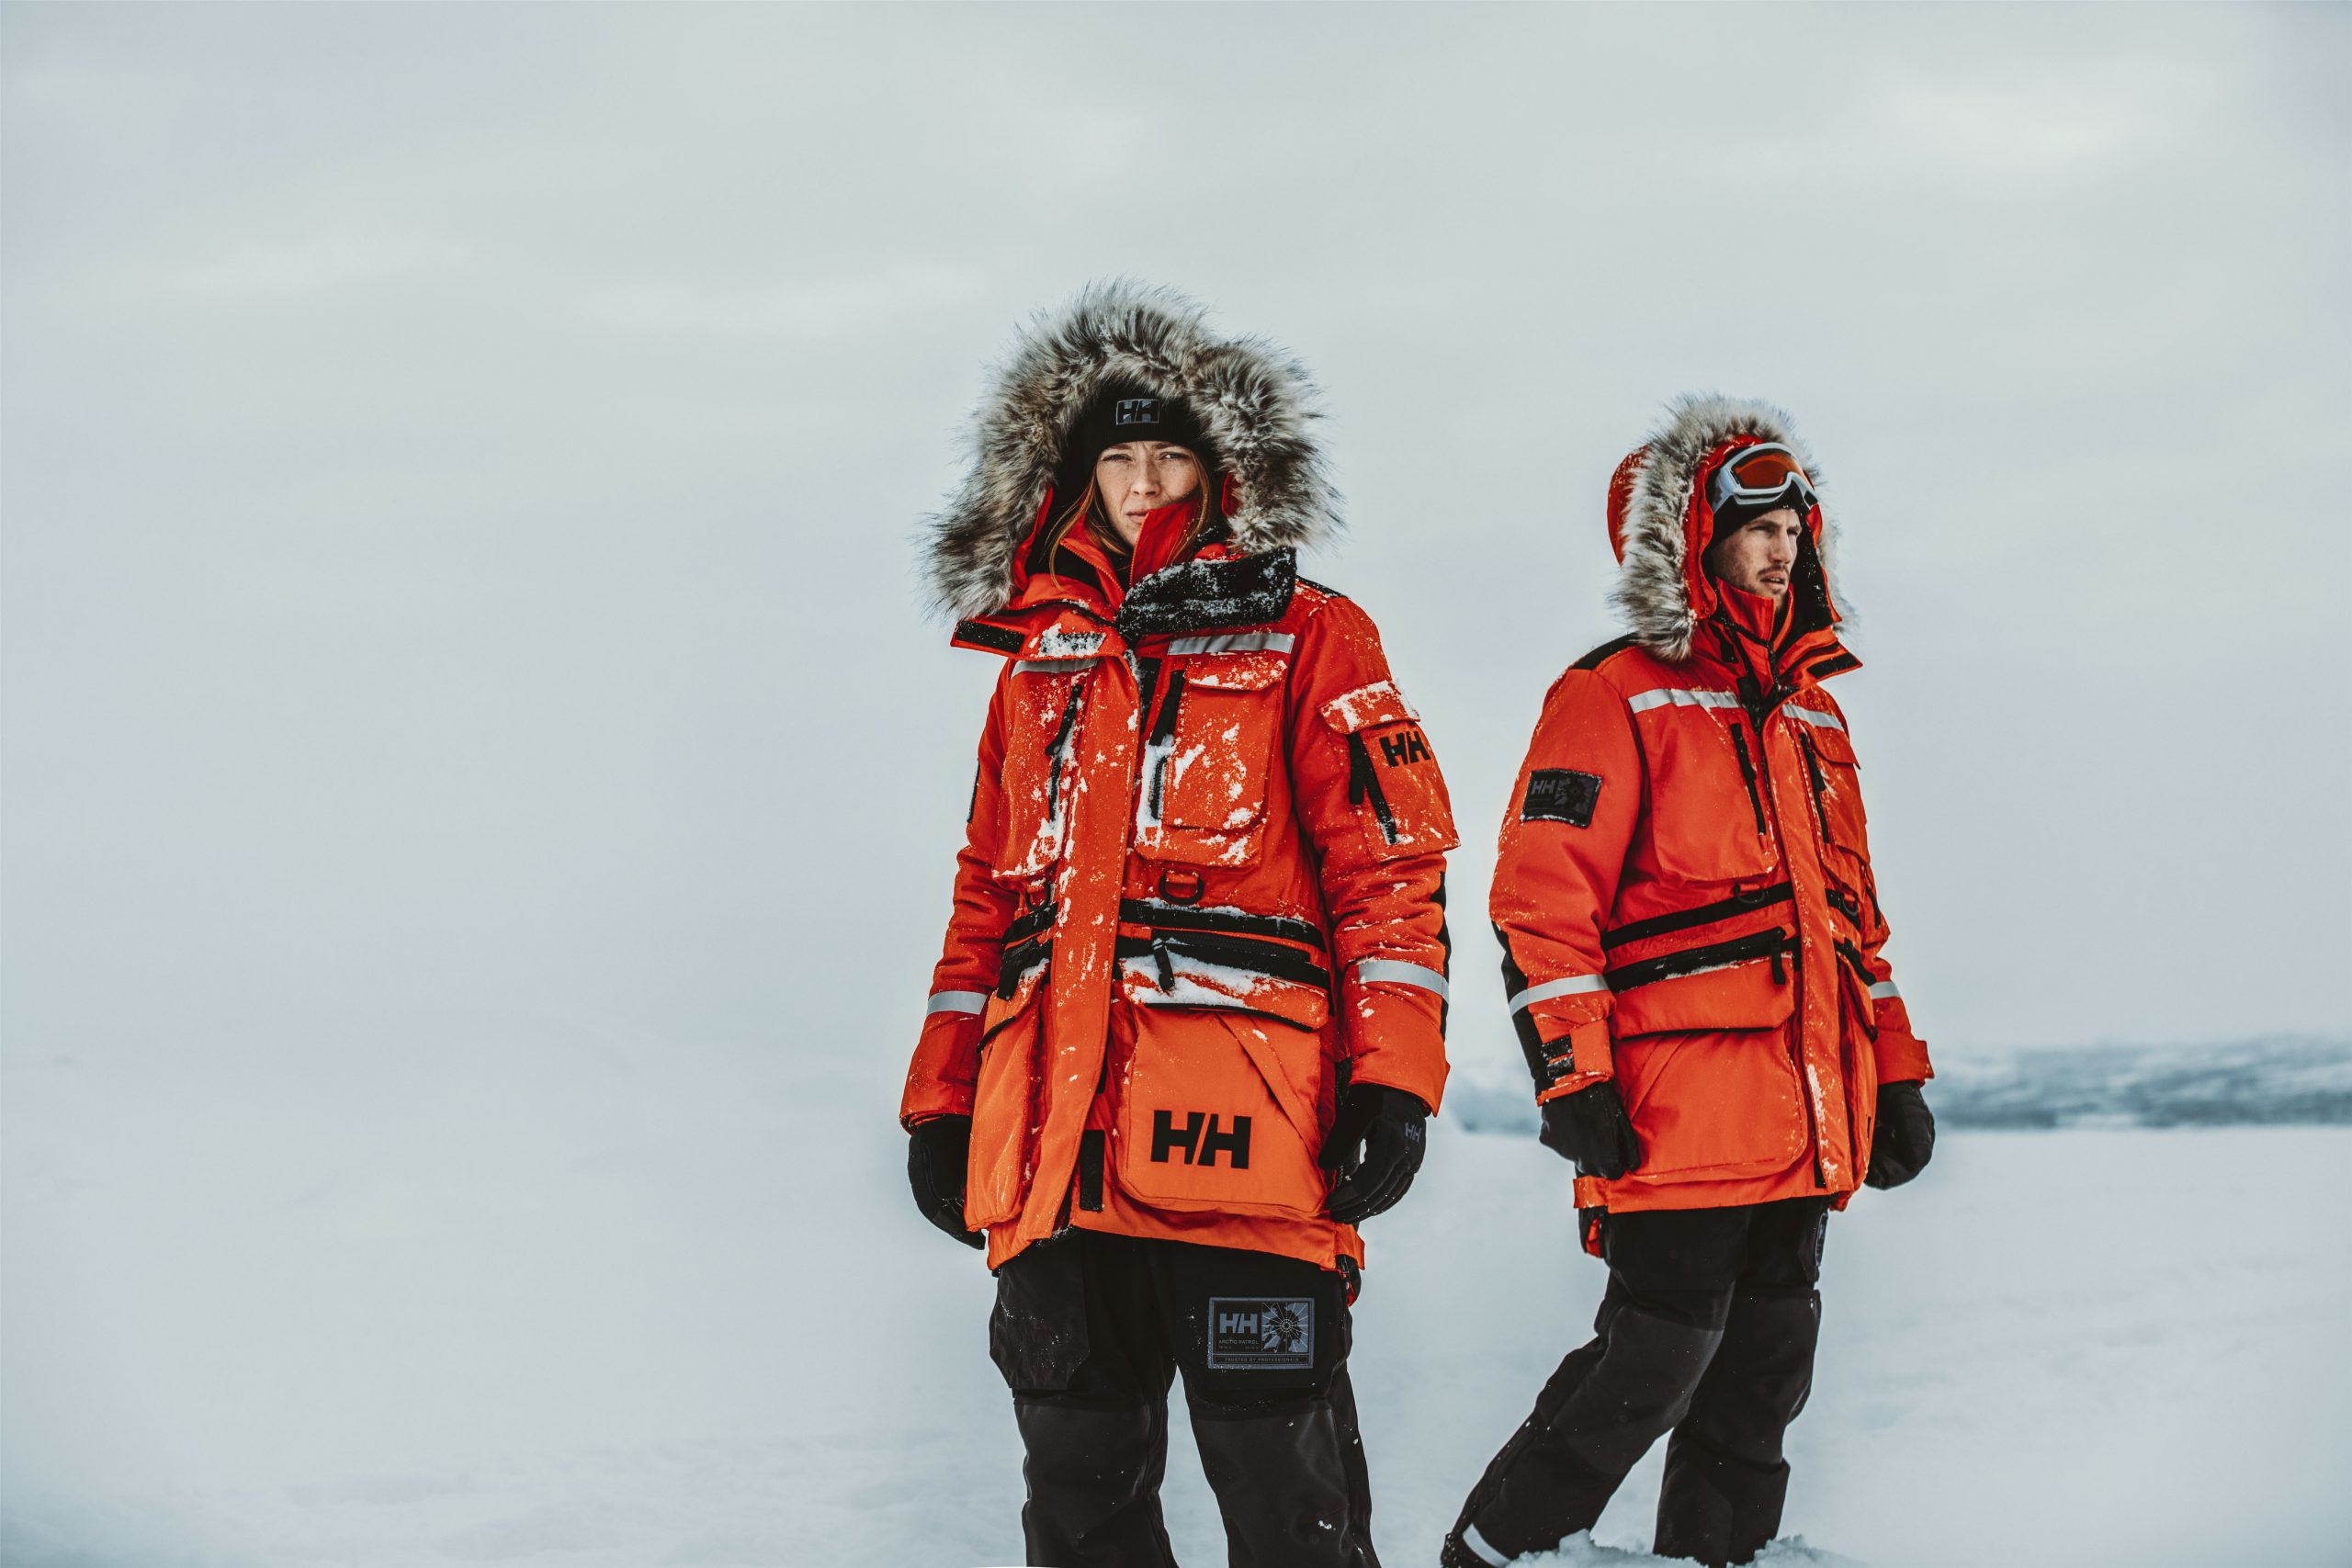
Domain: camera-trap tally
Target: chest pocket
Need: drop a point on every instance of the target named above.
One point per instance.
(1208, 755)
(1834, 777)
(1043, 701)
(1395, 791)
(1706, 792)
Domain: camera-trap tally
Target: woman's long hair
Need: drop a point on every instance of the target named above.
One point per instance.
(1089, 509)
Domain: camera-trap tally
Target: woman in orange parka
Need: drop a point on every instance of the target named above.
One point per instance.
(1190, 1017)
(1692, 932)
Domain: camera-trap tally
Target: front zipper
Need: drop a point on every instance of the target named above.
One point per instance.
(1747, 775)
(1820, 784)
(1059, 750)
(1163, 737)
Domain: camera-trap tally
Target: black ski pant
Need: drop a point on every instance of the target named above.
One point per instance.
(1090, 1329)
(1707, 1330)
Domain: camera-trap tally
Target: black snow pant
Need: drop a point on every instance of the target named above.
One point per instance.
(1706, 1330)
(1089, 1330)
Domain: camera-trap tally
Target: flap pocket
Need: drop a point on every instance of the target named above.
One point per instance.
(1395, 789)
(1212, 1119)
(1043, 705)
(1740, 984)
(1209, 752)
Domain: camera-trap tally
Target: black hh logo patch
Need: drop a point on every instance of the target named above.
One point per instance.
(1261, 1334)
(1199, 1139)
(1136, 410)
(1410, 747)
(1561, 795)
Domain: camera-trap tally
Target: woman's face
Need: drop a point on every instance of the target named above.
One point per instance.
(1137, 477)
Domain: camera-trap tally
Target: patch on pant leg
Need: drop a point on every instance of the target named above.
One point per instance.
(1260, 1335)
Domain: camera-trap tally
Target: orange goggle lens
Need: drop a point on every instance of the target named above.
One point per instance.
(1756, 474)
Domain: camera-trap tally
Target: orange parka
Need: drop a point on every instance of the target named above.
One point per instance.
(1201, 883)
(1684, 890)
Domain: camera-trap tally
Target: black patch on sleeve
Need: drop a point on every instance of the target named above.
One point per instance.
(1004, 639)
(1561, 795)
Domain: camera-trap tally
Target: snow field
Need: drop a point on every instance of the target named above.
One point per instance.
(552, 1292)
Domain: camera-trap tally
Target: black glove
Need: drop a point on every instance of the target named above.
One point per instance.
(1591, 1128)
(937, 1153)
(1905, 1138)
(1389, 1123)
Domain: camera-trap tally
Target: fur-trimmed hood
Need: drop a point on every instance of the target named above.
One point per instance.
(1255, 402)
(1660, 524)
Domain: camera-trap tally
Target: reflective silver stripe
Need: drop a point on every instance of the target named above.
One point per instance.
(1813, 716)
(1050, 666)
(1643, 701)
(1483, 1549)
(957, 1001)
(1397, 972)
(1236, 642)
(1885, 989)
(1574, 986)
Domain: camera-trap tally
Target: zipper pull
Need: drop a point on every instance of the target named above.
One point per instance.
(1167, 966)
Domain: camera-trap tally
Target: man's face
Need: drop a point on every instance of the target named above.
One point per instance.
(1136, 477)
(1759, 555)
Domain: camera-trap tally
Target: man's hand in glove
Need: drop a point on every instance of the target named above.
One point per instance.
(1591, 1128)
(1388, 1123)
(1905, 1138)
(937, 1153)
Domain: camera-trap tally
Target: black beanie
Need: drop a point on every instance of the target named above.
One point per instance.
(1124, 413)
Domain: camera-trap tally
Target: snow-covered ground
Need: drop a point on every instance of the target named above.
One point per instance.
(550, 1293)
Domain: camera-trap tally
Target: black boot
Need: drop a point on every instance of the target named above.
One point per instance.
(1093, 1475)
(1725, 1478)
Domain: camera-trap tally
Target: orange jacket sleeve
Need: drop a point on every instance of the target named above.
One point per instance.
(1902, 1054)
(1371, 799)
(1566, 834)
(946, 1059)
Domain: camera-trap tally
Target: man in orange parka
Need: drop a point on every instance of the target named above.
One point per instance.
(1691, 933)
(1190, 1016)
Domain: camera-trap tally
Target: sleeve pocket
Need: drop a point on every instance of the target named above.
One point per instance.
(1396, 792)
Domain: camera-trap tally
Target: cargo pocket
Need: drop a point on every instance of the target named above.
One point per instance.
(1706, 791)
(1044, 704)
(1005, 1107)
(1037, 1334)
(1834, 775)
(1207, 757)
(1220, 1110)
(1394, 790)
(1712, 1103)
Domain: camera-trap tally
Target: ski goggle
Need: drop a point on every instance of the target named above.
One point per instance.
(1760, 477)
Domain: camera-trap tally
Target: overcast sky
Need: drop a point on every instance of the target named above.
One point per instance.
(463, 468)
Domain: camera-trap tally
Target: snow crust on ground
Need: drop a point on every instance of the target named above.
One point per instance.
(550, 1291)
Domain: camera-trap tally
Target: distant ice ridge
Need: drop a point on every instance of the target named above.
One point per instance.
(2276, 1081)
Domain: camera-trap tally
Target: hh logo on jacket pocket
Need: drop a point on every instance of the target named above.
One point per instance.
(1261, 1334)
(1198, 1146)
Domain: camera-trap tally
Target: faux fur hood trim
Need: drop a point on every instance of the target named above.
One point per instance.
(1654, 514)
(1255, 402)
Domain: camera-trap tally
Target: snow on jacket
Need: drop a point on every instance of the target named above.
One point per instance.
(1203, 881)
(1684, 891)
